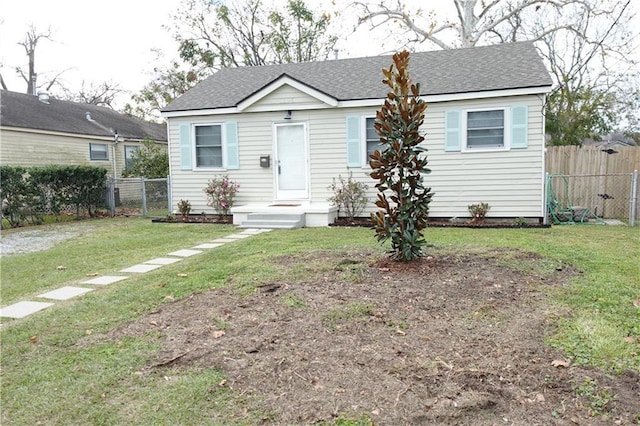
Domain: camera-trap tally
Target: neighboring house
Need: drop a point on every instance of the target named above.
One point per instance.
(611, 141)
(40, 130)
(284, 132)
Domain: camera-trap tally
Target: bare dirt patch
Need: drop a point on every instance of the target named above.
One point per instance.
(450, 339)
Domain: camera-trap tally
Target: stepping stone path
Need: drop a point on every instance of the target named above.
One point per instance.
(23, 309)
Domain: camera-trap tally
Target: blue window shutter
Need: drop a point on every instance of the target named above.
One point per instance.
(354, 142)
(452, 130)
(519, 126)
(185, 147)
(233, 157)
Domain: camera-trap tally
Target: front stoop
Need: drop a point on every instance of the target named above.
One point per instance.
(284, 215)
(273, 221)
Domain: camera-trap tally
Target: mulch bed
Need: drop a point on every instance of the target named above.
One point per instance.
(366, 222)
(196, 219)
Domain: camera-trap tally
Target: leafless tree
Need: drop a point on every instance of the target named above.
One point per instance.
(587, 44)
(101, 94)
(29, 43)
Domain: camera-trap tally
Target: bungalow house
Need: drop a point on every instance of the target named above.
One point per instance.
(284, 132)
(40, 130)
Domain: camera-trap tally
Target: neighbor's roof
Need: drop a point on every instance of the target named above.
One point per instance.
(26, 111)
(477, 69)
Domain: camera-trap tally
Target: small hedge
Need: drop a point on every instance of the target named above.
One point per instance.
(28, 193)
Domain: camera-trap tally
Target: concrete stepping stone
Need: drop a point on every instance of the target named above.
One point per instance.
(208, 245)
(105, 280)
(163, 261)
(141, 268)
(254, 231)
(238, 236)
(23, 309)
(65, 293)
(185, 253)
(224, 240)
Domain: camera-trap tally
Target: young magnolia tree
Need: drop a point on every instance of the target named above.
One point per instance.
(400, 165)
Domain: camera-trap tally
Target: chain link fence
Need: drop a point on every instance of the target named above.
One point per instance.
(598, 197)
(138, 197)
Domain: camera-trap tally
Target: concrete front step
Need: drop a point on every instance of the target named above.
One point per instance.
(273, 221)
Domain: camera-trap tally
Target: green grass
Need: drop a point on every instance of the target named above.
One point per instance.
(73, 374)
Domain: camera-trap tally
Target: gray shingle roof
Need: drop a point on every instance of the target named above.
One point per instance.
(26, 111)
(504, 66)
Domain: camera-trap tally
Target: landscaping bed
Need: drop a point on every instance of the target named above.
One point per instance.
(448, 339)
(366, 222)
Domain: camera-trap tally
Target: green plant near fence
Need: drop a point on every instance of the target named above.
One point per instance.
(28, 193)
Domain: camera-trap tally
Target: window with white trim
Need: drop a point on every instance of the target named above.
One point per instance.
(98, 151)
(485, 129)
(130, 152)
(372, 140)
(208, 146)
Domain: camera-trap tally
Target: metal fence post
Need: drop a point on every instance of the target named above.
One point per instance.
(633, 199)
(144, 197)
(111, 198)
(169, 195)
(545, 194)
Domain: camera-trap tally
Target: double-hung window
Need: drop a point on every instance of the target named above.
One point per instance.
(372, 140)
(486, 129)
(208, 146)
(499, 128)
(98, 151)
(130, 152)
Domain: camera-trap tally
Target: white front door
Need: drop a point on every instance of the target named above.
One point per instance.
(291, 162)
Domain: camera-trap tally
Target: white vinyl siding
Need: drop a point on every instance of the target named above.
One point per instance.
(28, 148)
(510, 181)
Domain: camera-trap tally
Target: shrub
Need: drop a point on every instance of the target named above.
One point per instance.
(149, 161)
(399, 168)
(478, 211)
(349, 195)
(29, 193)
(221, 193)
(184, 207)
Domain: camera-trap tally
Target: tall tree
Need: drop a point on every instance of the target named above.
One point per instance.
(29, 43)
(400, 166)
(247, 33)
(216, 34)
(582, 40)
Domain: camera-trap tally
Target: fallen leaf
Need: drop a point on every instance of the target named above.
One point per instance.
(88, 332)
(636, 302)
(33, 339)
(138, 373)
(560, 363)
(383, 269)
(218, 334)
(93, 274)
(630, 339)
(169, 298)
(61, 268)
(575, 420)
(222, 383)
(400, 332)
(182, 275)
(153, 322)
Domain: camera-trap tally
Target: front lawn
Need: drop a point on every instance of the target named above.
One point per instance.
(313, 314)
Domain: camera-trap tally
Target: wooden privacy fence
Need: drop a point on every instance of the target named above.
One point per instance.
(604, 180)
(577, 160)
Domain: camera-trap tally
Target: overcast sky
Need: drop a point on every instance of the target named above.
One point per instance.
(98, 41)
(112, 40)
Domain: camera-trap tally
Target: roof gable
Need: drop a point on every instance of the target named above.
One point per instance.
(26, 111)
(285, 80)
(473, 70)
